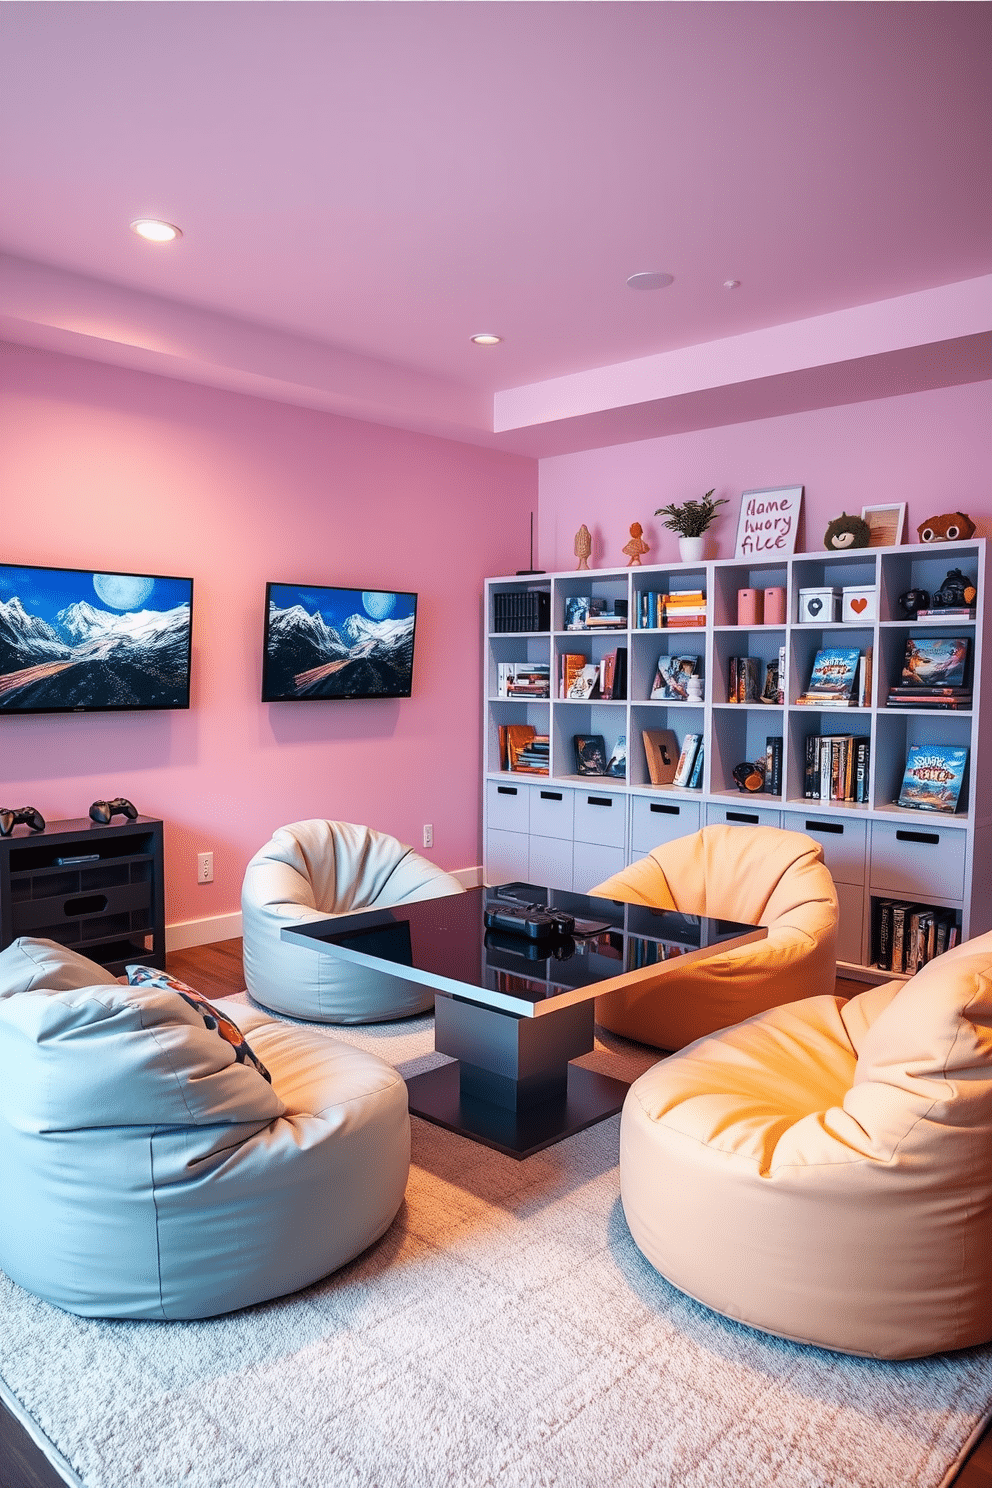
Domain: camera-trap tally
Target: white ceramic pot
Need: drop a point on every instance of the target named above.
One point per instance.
(692, 549)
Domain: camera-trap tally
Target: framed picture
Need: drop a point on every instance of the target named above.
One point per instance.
(887, 523)
(768, 522)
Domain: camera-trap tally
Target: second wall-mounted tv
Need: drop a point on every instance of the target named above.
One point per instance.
(337, 643)
(75, 641)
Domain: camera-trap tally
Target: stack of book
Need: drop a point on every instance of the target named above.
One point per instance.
(649, 614)
(744, 679)
(689, 771)
(836, 768)
(906, 935)
(840, 678)
(933, 674)
(685, 610)
(530, 610)
(613, 674)
(523, 679)
(523, 749)
(582, 680)
(590, 612)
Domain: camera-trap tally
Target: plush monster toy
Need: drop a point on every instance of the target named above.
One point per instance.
(847, 532)
(946, 528)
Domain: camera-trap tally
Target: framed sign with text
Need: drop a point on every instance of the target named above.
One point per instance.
(768, 522)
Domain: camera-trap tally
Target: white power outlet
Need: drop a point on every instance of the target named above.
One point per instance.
(204, 868)
(428, 834)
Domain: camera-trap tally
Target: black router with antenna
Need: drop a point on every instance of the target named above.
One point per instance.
(521, 572)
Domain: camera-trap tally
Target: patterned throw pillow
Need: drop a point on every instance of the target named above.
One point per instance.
(147, 976)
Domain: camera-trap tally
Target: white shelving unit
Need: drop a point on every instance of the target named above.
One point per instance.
(569, 831)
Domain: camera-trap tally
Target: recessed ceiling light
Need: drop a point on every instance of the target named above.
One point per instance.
(154, 231)
(486, 338)
(654, 279)
(731, 284)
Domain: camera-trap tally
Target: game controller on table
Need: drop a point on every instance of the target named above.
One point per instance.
(9, 819)
(102, 812)
(535, 921)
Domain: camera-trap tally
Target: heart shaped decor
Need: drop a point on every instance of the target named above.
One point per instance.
(857, 605)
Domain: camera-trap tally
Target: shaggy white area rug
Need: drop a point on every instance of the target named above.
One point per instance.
(505, 1333)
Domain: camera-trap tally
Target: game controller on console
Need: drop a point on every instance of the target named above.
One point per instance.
(26, 814)
(102, 811)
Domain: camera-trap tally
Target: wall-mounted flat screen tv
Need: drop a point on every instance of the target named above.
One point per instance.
(336, 643)
(76, 641)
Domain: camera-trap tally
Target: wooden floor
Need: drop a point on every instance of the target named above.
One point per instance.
(216, 971)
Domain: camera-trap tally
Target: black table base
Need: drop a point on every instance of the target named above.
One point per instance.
(437, 1096)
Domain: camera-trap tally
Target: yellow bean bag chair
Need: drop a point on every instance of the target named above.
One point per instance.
(824, 1171)
(757, 875)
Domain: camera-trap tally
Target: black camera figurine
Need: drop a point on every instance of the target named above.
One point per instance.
(103, 811)
(26, 814)
(956, 592)
(913, 600)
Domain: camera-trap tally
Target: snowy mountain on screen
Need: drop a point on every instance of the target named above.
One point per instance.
(115, 659)
(25, 638)
(363, 658)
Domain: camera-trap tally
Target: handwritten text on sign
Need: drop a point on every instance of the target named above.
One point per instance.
(768, 521)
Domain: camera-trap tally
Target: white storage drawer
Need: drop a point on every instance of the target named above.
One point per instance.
(509, 806)
(653, 822)
(842, 838)
(925, 860)
(592, 863)
(506, 856)
(550, 862)
(601, 816)
(552, 811)
(744, 815)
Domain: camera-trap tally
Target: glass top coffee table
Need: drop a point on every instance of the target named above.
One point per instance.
(511, 1012)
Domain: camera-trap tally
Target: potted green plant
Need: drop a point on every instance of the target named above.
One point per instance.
(691, 521)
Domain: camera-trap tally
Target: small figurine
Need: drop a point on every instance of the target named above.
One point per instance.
(913, 600)
(847, 532)
(750, 777)
(947, 528)
(635, 547)
(582, 546)
(955, 592)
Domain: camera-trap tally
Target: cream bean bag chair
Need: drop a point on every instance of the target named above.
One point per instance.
(308, 871)
(824, 1171)
(154, 1165)
(756, 875)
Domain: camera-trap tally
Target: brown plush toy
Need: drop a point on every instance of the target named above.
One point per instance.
(947, 528)
(847, 532)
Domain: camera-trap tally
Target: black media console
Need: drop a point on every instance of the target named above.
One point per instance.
(108, 904)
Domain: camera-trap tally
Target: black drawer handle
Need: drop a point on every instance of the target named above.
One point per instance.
(931, 837)
(85, 904)
(744, 816)
(599, 800)
(551, 795)
(665, 809)
(814, 826)
(506, 790)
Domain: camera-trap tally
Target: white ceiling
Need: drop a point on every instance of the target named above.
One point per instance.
(361, 186)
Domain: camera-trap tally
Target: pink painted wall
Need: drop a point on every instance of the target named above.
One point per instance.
(101, 467)
(932, 450)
